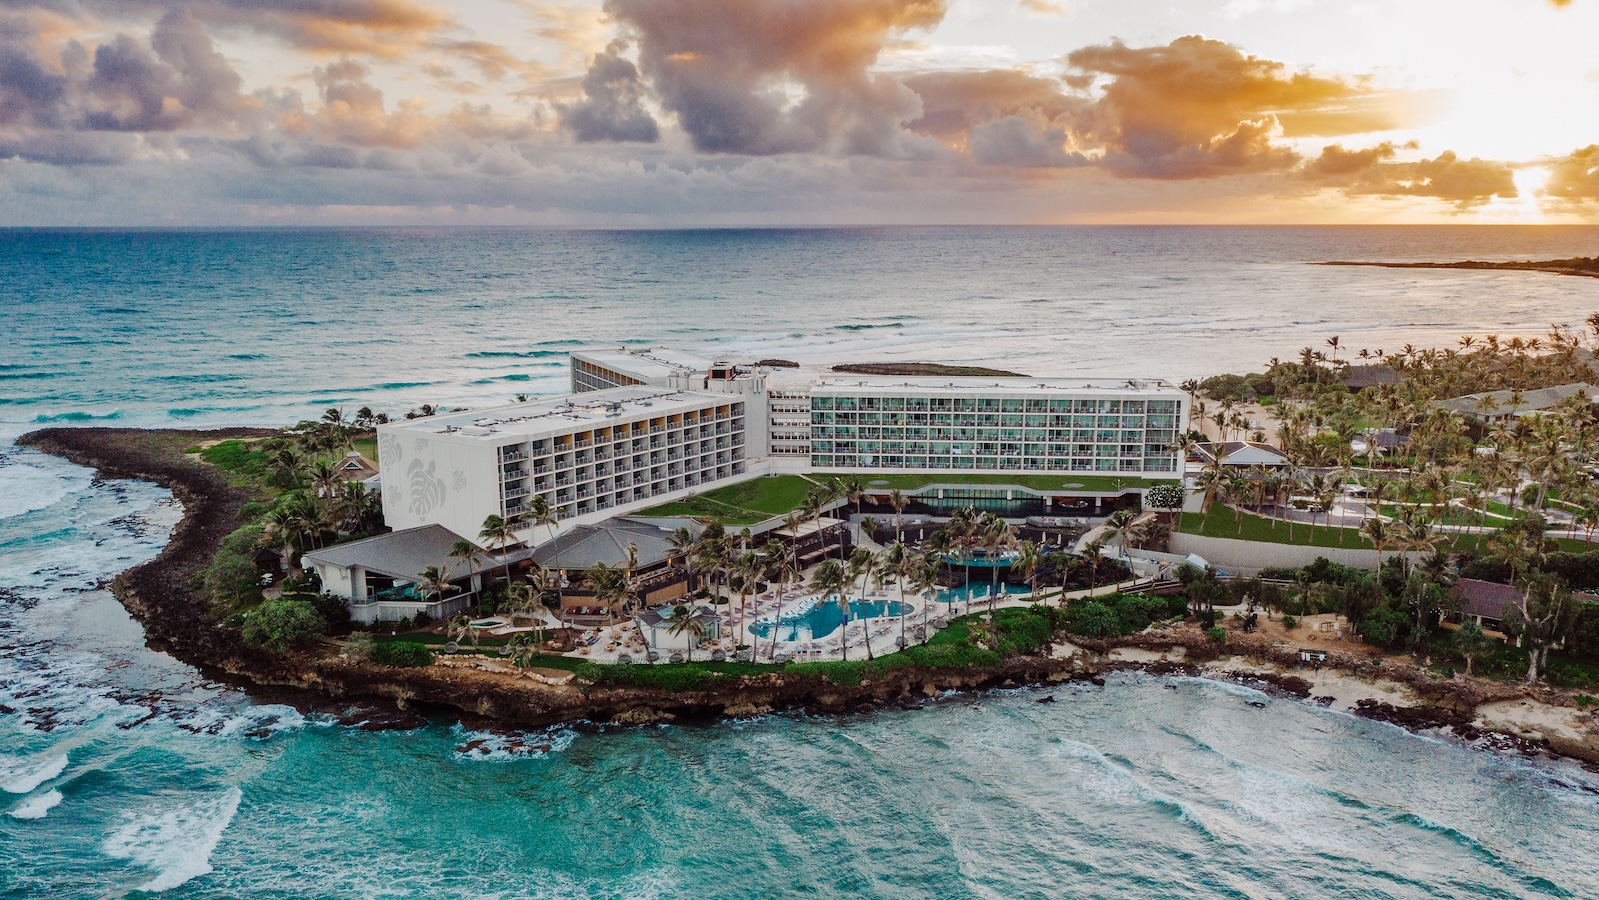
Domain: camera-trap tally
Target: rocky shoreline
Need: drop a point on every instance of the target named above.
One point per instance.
(161, 593)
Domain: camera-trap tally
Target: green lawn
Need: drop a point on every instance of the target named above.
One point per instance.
(744, 503)
(367, 447)
(1258, 528)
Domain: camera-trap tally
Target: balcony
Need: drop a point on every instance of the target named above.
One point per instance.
(513, 493)
(516, 456)
(513, 472)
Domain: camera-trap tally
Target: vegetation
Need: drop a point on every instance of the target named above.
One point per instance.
(401, 654)
(282, 625)
(969, 642)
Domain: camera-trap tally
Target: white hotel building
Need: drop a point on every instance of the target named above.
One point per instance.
(647, 426)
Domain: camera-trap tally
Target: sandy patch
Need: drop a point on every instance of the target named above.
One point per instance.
(1539, 721)
(1346, 689)
(1136, 655)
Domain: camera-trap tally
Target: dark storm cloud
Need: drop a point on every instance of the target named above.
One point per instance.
(612, 108)
(779, 76)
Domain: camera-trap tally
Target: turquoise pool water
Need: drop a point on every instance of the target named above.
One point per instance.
(823, 618)
(976, 590)
(980, 562)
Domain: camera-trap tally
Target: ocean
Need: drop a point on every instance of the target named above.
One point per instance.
(123, 771)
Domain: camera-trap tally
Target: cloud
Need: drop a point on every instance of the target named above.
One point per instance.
(613, 107)
(1046, 7)
(1022, 142)
(1573, 183)
(1466, 183)
(1199, 108)
(388, 29)
(779, 76)
(955, 102)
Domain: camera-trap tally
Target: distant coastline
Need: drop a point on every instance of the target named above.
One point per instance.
(1581, 266)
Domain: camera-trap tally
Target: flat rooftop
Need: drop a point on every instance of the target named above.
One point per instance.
(547, 415)
(644, 363)
(845, 384)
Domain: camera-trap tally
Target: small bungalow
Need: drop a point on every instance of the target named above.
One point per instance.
(355, 467)
(1488, 602)
(1360, 378)
(380, 576)
(1496, 406)
(1242, 454)
(656, 579)
(657, 628)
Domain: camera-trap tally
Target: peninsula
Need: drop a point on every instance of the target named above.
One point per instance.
(842, 581)
(1582, 266)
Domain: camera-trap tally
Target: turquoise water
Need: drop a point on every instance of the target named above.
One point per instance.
(823, 618)
(122, 769)
(977, 591)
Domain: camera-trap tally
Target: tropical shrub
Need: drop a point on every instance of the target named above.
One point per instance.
(1384, 626)
(282, 625)
(1164, 496)
(1217, 635)
(1094, 619)
(230, 577)
(402, 654)
(1290, 623)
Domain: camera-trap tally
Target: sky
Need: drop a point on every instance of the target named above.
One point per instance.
(798, 112)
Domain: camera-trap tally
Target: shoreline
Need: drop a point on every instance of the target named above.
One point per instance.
(1582, 267)
(176, 619)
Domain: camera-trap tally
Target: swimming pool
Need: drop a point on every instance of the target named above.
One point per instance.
(981, 559)
(977, 591)
(809, 619)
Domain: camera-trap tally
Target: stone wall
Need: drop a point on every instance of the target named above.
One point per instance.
(1249, 557)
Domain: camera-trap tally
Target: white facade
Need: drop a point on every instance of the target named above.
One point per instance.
(679, 424)
(591, 456)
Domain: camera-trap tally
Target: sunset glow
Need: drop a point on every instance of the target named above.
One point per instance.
(635, 112)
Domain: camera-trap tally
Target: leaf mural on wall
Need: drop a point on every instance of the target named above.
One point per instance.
(427, 489)
(390, 451)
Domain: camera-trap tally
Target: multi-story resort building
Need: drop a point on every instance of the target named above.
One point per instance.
(644, 427)
(589, 456)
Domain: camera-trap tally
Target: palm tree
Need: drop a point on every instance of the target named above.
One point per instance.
(862, 563)
(782, 564)
(1066, 563)
(687, 619)
(1092, 551)
(539, 513)
(1125, 527)
(1376, 531)
(1028, 559)
(467, 552)
(924, 581)
(434, 581)
(832, 579)
(896, 499)
(747, 569)
(325, 478)
(499, 533)
(996, 537)
(527, 602)
(892, 564)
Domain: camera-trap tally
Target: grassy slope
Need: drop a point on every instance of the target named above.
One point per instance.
(1258, 528)
(744, 503)
(759, 499)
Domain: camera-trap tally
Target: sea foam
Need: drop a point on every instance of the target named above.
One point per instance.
(175, 842)
(21, 774)
(37, 807)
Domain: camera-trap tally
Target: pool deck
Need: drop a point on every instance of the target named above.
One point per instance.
(882, 632)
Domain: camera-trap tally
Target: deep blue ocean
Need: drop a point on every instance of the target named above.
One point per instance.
(122, 770)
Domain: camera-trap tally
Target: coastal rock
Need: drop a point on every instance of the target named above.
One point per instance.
(745, 710)
(641, 715)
